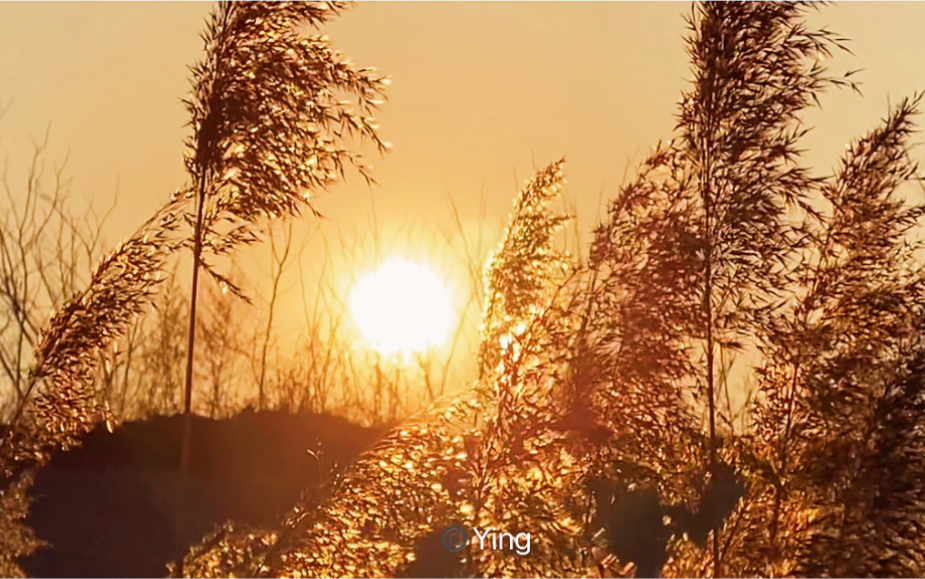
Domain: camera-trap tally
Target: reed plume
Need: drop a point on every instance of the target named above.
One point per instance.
(59, 402)
(269, 126)
(838, 424)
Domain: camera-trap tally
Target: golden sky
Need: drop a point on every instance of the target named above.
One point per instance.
(480, 93)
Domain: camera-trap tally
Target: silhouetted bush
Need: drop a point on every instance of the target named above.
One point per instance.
(117, 506)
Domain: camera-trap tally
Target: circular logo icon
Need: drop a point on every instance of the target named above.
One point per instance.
(455, 539)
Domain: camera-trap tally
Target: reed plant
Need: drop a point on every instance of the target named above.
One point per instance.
(269, 130)
(600, 377)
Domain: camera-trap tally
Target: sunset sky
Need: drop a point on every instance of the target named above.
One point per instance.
(480, 93)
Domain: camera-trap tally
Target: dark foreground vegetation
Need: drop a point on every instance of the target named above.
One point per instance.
(601, 420)
(118, 506)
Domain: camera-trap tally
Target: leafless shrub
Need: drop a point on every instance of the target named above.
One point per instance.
(45, 247)
(57, 335)
(222, 360)
(157, 384)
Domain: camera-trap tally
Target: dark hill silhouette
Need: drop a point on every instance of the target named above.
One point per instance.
(117, 506)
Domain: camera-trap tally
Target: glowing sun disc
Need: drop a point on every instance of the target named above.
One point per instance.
(401, 307)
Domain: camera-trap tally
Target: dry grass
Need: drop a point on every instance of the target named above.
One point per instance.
(600, 378)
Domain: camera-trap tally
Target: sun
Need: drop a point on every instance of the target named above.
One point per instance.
(401, 308)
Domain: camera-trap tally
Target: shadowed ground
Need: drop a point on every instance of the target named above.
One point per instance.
(118, 507)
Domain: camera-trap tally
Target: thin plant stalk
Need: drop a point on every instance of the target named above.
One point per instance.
(191, 340)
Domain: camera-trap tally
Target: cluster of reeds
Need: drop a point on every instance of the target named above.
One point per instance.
(269, 129)
(603, 380)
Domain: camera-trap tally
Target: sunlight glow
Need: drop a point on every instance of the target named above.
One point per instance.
(401, 308)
